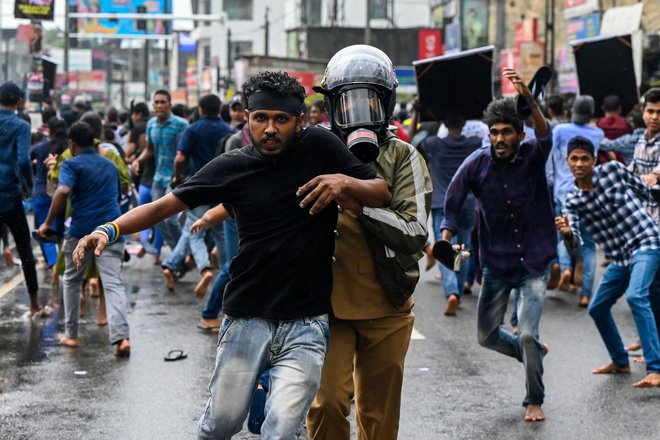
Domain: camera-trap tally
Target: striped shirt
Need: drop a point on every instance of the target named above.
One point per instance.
(164, 139)
(614, 213)
(646, 160)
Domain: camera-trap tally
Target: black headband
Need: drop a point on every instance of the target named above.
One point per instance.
(267, 100)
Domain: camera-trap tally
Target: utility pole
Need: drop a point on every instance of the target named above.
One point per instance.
(500, 28)
(550, 41)
(266, 31)
(228, 54)
(65, 69)
(367, 27)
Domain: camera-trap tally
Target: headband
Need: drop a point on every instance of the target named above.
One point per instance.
(268, 100)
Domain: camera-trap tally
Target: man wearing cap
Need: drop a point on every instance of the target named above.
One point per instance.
(610, 202)
(583, 110)
(15, 172)
(278, 298)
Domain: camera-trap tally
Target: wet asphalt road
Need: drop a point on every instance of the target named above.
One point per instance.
(453, 389)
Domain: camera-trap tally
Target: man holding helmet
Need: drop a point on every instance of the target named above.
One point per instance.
(377, 253)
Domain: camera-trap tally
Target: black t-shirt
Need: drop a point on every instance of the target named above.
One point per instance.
(148, 167)
(283, 269)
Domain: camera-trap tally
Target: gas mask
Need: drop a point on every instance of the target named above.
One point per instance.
(358, 86)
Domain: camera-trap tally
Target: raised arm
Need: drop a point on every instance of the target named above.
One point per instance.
(541, 128)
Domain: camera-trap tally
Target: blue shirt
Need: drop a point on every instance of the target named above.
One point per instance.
(199, 141)
(561, 134)
(614, 213)
(164, 139)
(14, 157)
(445, 156)
(94, 183)
(517, 233)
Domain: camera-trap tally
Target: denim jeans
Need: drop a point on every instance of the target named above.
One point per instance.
(169, 228)
(452, 282)
(144, 196)
(588, 253)
(214, 303)
(641, 284)
(526, 347)
(294, 350)
(195, 243)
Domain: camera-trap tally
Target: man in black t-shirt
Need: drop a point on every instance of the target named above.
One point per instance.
(279, 294)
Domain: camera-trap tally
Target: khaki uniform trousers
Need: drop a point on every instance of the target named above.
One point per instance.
(365, 359)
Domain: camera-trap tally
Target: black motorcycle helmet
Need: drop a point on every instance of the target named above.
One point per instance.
(359, 87)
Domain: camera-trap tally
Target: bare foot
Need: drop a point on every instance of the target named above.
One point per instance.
(203, 284)
(102, 321)
(639, 360)
(69, 342)
(9, 257)
(565, 281)
(546, 349)
(40, 312)
(584, 301)
(634, 347)
(169, 279)
(612, 368)
(123, 348)
(452, 305)
(94, 287)
(215, 264)
(534, 413)
(141, 253)
(430, 259)
(651, 380)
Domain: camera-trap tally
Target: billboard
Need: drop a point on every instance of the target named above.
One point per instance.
(34, 9)
(430, 43)
(474, 23)
(576, 8)
(109, 26)
(583, 27)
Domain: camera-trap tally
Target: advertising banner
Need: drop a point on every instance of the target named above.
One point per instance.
(474, 23)
(122, 26)
(430, 43)
(34, 9)
(583, 27)
(576, 8)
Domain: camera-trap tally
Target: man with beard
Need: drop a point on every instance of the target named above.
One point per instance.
(517, 239)
(277, 301)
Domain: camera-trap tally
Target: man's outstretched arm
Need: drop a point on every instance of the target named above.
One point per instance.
(137, 219)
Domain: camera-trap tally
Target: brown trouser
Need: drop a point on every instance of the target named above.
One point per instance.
(365, 359)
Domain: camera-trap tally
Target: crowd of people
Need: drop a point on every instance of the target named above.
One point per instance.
(228, 186)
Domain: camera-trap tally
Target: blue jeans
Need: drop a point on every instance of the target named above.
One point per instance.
(641, 284)
(169, 228)
(41, 205)
(144, 196)
(294, 350)
(526, 347)
(214, 304)
(194, 243)
(452, 282)
(588, 252)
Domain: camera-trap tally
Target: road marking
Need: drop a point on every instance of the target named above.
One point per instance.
(416, 334)
(9, 285)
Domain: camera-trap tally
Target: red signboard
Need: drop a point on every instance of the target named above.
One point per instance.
(508, 58)
(308, 80)
(430, 43)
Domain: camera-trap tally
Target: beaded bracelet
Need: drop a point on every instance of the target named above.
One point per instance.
(110, 230)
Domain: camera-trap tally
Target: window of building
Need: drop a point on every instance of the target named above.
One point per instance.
(238, 9)
(239, 48)
(310, 12)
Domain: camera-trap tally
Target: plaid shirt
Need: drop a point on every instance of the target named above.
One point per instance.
(646, 160)
(517, 233)
(613, 213)
(164, 139)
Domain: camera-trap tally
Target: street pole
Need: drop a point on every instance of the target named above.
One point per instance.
(367, 28)
(228, 54)
(266, 30)
(146, 70)
(65, 69)
(500, 24)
